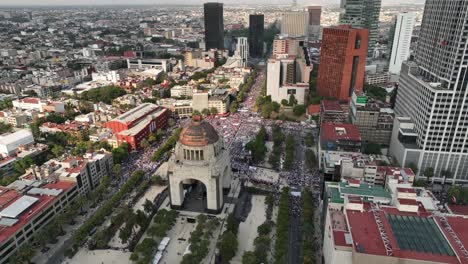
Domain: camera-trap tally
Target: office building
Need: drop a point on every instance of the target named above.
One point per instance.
(138, 123)
(295, 23)
(432, 97)
(241, 55)
(27, 207)
(288, 70)
(403, 31)
(214, 26)
(256, 29)
(315, 13)
(342, 62)
(374, 119)
(146, 64)
(362, 14)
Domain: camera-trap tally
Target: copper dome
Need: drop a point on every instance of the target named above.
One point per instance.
(198, 134)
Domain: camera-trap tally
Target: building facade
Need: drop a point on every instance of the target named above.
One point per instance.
(342, 62)
(137, 124)
(256, 29)
(403, 31)
(315, 14)
(432, 96)
(214, 26)
(295, 23)
(363, 14)
(199, 155)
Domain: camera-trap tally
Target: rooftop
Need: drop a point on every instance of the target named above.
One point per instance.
(7, 139)
(198, 133)
(136, 113)
(336, 132)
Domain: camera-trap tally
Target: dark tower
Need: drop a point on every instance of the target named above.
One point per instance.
(214, 27)
(256, 25)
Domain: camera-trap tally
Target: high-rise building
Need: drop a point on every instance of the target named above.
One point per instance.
(242, 50)
(288, 70)
(315, 13)
(295, 23)
(342, 61)
(214, 26)
(432, 102)
(256, 28)
(364, 14)
(403, 30)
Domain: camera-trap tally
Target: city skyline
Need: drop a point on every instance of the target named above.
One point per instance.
(185, 2)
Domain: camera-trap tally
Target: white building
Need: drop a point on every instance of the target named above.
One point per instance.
(184, 90)
(433, 95)
(39, 105)
(162, 64)
(111, 76)
(9, 143)
(295, 23)
(404, 24)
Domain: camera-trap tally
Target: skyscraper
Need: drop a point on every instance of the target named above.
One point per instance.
(432, 99)
(295, 23)
(242, 50)
(315, 13)
(214, 26)
(365, 14)
(403, 30)
(256, 28)
(342, 61)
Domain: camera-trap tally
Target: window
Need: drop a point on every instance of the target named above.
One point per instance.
(201, 155)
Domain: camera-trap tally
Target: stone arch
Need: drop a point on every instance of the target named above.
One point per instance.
(214, 194)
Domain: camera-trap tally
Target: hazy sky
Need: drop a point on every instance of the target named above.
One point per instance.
(196, 2)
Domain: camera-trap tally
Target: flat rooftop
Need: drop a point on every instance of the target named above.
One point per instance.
(136, 113)
(419, 236)
(339, 132)
(11, 198)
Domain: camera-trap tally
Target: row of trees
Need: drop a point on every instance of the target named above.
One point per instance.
(200, 240)
(166, 146)
(310, 159)
(289, 156)
(309, 140)
(245, 88)
(162, 223)
(49, 233)
(262, 245)
(106, 209)
(307, 227)
(257, 146)
(458, 195)
(278, 139)
(228, 243)
(282, 227)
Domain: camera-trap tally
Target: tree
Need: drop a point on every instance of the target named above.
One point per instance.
(429, 173)
(80, 201)
(228, 246)
(232, 224)
(292, 100)
(371, 148)
(148, 206)
(233, 107)
(299, 110)
(445, 173)
(249, 257)
(117, 171)
(284, 102)
(144, 144)
(413, 167)
(205, 111)
(57, 150)
(214, 110)
(171, 122)
(266, 110)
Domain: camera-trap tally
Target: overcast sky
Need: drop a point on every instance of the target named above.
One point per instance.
(192, 2)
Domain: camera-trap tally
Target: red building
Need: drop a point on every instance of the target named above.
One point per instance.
(342, 61)
(137, 124)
